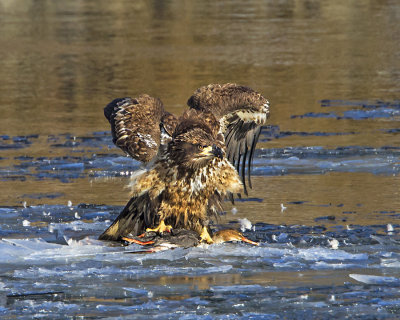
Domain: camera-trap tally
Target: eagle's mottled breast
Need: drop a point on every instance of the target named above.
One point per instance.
(185, 201)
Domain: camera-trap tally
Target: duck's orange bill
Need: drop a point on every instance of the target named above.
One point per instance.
(249, 241)
(142, 243)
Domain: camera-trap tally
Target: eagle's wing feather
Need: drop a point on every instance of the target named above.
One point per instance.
(241, 112)
(139, 125)
(138, 214)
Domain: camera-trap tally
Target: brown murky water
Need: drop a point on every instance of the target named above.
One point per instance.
(61, 62)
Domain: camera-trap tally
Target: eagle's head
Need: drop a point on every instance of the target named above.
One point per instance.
(196, 141)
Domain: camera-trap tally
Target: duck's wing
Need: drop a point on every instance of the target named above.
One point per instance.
(241, 112)
(139, 125)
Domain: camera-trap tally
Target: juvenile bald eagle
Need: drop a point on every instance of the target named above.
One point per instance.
(192, 162)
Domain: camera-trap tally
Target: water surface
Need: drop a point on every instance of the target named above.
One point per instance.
(325, 204)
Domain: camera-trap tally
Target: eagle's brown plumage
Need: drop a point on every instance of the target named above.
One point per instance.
(193, 157)
(135, 125)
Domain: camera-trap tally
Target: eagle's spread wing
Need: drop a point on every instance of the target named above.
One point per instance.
(139, 125)
(241, 112)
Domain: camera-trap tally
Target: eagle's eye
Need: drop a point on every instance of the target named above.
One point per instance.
(200, 147)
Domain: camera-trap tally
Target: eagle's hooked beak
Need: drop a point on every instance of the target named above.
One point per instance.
(217, 152)
(212, 151)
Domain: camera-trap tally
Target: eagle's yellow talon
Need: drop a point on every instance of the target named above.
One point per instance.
(205, 236)
(162, 227)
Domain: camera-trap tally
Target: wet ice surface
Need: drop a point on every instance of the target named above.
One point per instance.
(52, 263)
(357, 110)
(297, 271)
(290, 160)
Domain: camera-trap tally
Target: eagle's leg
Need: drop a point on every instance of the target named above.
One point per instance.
(205, 236)
(162, 227)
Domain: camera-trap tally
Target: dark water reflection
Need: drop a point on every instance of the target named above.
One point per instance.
(331, 70)
(61, 58)
(61, 62)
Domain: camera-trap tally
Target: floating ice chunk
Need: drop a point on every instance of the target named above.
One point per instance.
(69, 203)
(289, 265)
(137, 291)
(394, 302)
(389, 228)
(334, 244)
(77, 216)
(13, 250)
(239, 288)
(77, 225)
(390, 263)
(26, 223)
(322, 265)
(238, 305)
(370, 279)
(234, 210)
(318, 253)
(24, 204)
(245, 224)
(282, 237)
(8, 213)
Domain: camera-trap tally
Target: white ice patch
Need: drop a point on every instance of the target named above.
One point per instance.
(240, 288)
(323, 265)
(319, 253)
(14, 250)
(137, 291)
(26, 223)
(334, 244)
(371, 279)
(245, 224)
(223, 250)
(77, 225)
(390, 263)
(40, 309)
